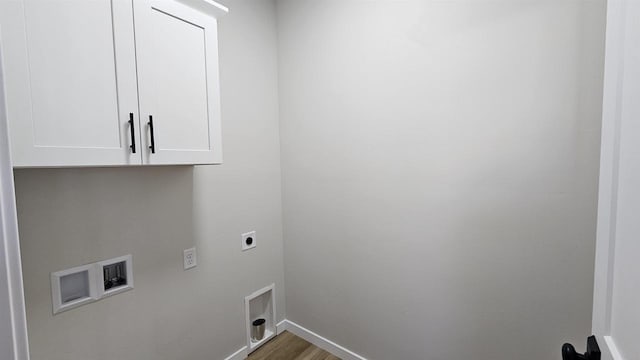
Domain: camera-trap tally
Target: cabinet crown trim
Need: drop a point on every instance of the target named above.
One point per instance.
(211, 7)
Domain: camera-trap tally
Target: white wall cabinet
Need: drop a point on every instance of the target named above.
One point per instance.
(89, 86)
(178, 83)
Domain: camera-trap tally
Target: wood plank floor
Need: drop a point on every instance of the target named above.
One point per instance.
(287, 346)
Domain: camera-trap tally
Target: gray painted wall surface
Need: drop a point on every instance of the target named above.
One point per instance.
(440, 164)
(69, 217)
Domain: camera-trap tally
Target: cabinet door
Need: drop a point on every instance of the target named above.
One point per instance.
(71, 82)
(177, 54)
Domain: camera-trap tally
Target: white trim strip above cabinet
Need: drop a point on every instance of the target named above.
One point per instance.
(210, 7)
(84, 77)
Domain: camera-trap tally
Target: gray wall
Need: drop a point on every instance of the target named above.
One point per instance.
(69, 217)
(440, 163)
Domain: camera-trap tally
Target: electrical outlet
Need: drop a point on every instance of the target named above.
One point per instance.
(190, 259)
(249, 240)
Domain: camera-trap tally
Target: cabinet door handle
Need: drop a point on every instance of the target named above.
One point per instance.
(133, 134)
(153, 140)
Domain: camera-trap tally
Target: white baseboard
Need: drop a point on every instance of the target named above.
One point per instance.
(613, 349)
(282, 326)
(238, 355)
(319, 341)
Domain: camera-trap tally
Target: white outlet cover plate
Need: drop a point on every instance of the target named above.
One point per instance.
(245, 236)
(190, 259)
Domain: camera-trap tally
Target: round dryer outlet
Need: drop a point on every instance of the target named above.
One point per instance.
(248, 240)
